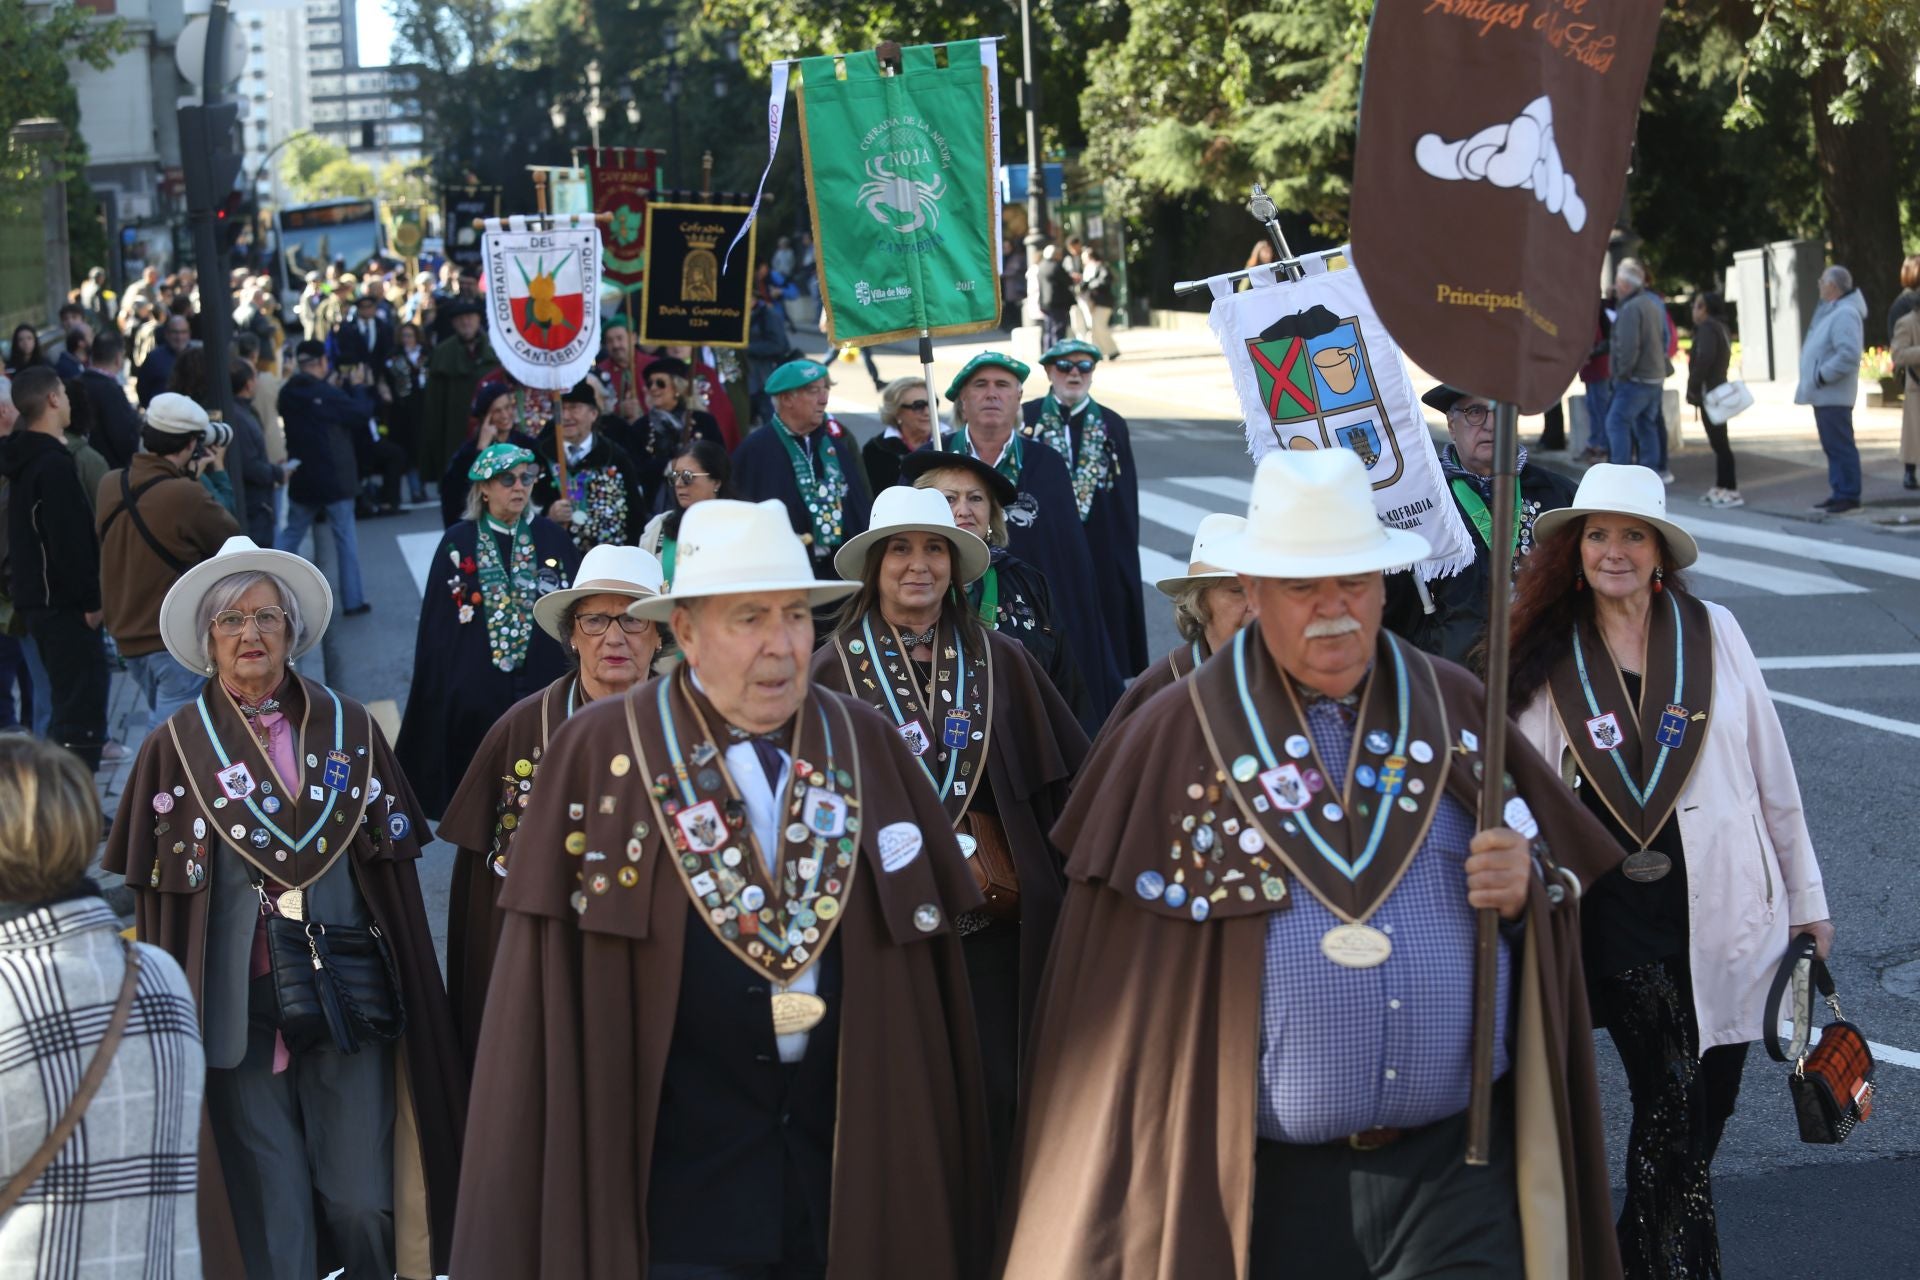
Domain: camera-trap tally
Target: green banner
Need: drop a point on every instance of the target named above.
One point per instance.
(900, 177)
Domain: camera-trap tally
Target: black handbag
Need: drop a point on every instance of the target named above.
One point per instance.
(1832, 1084)
(328, 986)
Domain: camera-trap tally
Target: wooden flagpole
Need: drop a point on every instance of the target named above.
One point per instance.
(559, 441)
(1493, 790)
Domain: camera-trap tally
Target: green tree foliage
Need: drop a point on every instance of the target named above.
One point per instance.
(316, 169)
(35, 47)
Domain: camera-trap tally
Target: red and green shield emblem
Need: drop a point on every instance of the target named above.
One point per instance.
(1285, 373)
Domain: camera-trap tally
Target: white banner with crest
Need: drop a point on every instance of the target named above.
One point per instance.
(542, 291)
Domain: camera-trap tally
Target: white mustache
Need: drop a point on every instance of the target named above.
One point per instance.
(1328, 628)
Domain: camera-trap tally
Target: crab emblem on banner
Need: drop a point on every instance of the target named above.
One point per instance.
(1315, 369)
(540, 287)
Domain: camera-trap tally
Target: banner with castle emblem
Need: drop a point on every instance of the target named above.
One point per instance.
(541, 286)
(1315, 369)
(688, 297)
(900, 177)
(623, 181)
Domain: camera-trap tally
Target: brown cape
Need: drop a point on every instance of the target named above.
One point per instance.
(581, 1011)
(480, 821)
(1175, 667)
(1135, 1158)
(170, 911)
(1034, 749)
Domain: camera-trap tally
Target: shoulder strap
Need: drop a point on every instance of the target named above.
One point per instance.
(89, 1085)
(1800, 949)
(129, 504)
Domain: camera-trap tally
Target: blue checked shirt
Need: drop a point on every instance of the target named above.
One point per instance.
(1344, 1050)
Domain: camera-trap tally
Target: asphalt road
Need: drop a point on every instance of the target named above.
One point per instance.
(1833, 610)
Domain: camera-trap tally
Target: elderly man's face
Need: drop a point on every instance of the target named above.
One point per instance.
(804, 408)
(1072, 378)
(251, 657)
(1470, 423)
(1320, 631)
(576, 420)
(466, 326)
(750, 653)
(619, 345)
(991, 400)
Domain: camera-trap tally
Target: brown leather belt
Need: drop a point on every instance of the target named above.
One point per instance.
(1371, 1139)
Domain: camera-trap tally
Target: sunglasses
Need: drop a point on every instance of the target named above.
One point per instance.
(659, 384)
(515, 479)
(1074, 366)
(681, 479)
(918, 406)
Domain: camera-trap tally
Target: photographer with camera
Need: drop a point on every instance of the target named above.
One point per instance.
(157, 520)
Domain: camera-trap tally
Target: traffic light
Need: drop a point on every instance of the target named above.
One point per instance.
(229, 219)
(210, 156)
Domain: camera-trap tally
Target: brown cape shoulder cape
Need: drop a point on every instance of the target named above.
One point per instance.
(1036, 748)
(1135, 1158)
(1176, 666)
(173, 915)
(580, 1019)
(480, 821)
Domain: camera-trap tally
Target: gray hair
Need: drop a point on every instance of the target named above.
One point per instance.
(1839, 277)
(225, 594)
(894, 395)
(1632, 272)
(476, 501)
(1191, 616)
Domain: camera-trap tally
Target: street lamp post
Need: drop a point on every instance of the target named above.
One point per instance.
(1030, 99)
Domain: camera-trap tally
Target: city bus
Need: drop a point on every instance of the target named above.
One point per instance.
(309, 236)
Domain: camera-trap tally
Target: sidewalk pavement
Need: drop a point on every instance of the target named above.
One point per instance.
(1179, 373)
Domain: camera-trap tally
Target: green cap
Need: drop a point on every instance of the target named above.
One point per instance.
(795, 374)
(981, 361)
(618, 320)
(1068, 348)
(496, 458)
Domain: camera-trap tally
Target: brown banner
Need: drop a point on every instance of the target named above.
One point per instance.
(1494, 142)
(624, 179)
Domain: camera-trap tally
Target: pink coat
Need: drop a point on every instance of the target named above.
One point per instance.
(1751, 870)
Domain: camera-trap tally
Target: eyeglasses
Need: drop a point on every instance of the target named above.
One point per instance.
(231, 622)
(659, 384)
(918, 406)
(515, 479)
(595, 624)
(681, 479)
(1074, 366)
(1474, 415)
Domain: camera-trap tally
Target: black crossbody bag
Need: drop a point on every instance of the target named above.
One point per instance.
(327, 986)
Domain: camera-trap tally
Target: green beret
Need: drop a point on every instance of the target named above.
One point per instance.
(618, 320)
(795, 374)
(496, 458)
(981, 361)
(1070, 347)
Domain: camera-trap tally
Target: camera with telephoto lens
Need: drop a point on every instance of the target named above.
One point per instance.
(218, 434)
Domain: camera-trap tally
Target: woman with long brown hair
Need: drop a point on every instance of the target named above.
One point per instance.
(1651, 702)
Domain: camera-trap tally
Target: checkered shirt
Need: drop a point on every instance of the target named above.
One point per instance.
(1343, 1050)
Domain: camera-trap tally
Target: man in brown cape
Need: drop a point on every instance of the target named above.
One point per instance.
(728, 1033)
(1253, 1046)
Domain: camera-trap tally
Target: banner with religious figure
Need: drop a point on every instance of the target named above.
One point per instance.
(541, 288)
(1315, 369)
(461, 208)
(623, 185)
(900, 177)
(1494, 142)
(688, 296)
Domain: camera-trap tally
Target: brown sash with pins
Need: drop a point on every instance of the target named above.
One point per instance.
(289, 829)
(948, 723)
(1349, 846)
(516, 784)
(1639, 757)
(777, 924)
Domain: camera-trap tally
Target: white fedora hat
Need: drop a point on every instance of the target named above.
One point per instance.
(183, 618)
(1213, 530)
(1312, 516)
(729, 548)
(605, 570)
(1623, 489)
(905, 509)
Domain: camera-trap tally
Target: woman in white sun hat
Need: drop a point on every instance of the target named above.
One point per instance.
(271, 795)
(1209, 608)
(608, 653)
(731, 920)
(1651, 703)
(992, 736)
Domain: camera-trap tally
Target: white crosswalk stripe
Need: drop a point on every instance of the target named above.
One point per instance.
(417, 550)
(1231, 493)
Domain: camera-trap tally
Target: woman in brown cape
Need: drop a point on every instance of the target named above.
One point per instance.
(1209, 607)
(992, 736)
(271, 794)
(607, 654)
(729, 1031)
(1252, 1051)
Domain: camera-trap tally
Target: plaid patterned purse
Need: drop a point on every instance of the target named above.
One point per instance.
(1832, 1086)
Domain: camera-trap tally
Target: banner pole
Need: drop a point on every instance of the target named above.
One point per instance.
(559, 444)
(633, 350)
(1486, 949)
